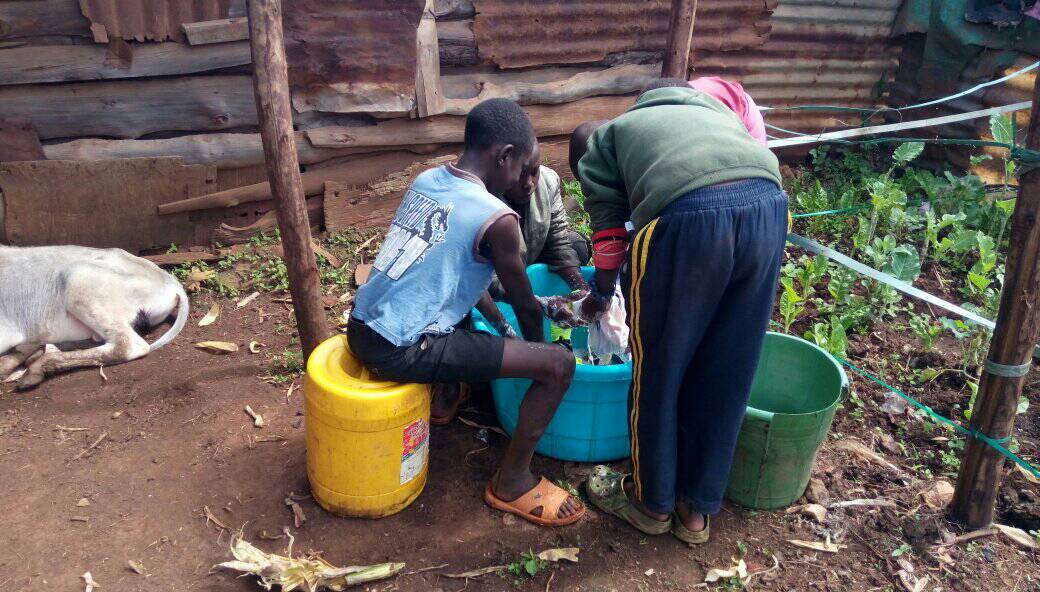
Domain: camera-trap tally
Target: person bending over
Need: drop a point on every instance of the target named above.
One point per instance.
(448, 236)
(710, 224)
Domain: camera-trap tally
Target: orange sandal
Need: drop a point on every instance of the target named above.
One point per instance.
(550, 497)
(464, 396)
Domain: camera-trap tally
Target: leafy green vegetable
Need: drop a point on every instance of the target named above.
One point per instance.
(1002, 129)
(904, 264)
(907, 152)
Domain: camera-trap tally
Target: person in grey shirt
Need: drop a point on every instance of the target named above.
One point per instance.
(548, 237)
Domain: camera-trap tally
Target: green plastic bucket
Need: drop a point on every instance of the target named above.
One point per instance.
(795, 393)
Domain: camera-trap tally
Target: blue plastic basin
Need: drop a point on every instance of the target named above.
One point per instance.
(591, 424)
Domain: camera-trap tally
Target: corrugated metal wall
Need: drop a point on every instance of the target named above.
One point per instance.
(787, 53)
(152, 20)
(819, 51)
(539, 32)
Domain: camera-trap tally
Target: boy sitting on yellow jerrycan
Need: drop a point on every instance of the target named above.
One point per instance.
(451, 232)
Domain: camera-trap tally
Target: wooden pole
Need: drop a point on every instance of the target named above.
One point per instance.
(1017, 329)
(271, 84)
(680, 35)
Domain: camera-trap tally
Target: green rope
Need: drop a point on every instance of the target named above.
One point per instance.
(971, 431)
(828, 212)
(1026, 158)
(857, 208)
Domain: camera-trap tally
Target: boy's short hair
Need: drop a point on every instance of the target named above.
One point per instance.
(497, 122)
(665, 83)
(579, 143)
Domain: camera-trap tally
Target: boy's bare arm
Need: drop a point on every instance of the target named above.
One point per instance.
(503, 238)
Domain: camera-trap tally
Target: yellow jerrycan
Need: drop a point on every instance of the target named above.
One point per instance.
(368, 441)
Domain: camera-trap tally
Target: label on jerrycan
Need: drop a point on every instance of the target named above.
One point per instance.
(415, 449)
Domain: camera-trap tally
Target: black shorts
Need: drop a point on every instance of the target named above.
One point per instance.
(461, 356)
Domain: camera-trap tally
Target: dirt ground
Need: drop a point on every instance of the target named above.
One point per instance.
(177, 441)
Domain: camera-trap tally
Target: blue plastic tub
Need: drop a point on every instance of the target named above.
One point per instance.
(591, 424)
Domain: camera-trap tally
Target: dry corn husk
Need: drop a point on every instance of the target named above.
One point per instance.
(1017, 535)
(211, 316)
(217, 347)
(825, 546)
(245, 301)
(303, 573)
(196, 276)
(739, 570)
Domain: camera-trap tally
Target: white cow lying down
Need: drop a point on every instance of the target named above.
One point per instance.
(66, 294)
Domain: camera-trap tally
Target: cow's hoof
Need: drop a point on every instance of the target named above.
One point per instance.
(30, 381)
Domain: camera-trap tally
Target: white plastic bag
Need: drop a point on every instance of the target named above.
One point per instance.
(609, 335)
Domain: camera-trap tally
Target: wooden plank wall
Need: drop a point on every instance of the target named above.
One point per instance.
(98, 104)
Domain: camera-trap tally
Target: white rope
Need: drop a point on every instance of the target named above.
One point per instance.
(893, 127)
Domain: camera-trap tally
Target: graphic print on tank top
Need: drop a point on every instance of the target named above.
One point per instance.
(419, 225)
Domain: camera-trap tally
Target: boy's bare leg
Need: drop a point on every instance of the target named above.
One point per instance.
(551, 368)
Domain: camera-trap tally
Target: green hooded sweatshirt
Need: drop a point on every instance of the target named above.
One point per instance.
(672, 141)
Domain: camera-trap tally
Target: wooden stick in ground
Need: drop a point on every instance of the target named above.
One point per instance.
(680, 35)
(271, 85)
(1017, 329)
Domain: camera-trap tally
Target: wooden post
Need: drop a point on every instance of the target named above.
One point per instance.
(680, 35)
(1017, 329)
(271, 84)
(429, 98)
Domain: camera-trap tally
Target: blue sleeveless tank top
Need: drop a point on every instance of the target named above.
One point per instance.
(429, 272)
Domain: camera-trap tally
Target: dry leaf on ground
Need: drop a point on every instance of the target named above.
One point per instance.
(815, 510)
(825, 546)
(938, 495)
(1017, 535)
(136, 567)
(561, 554)
(739, 570)
(1028, 476)
(245, 301)
(211, 316)
(864, 452)
(332, 259)
(254, 347)
(894, 404)
(297, 511)
(83, 502)
(217, 347)
(307, 573)
(195, 278)
(365, 244)
(89, 581)
(910, 582)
